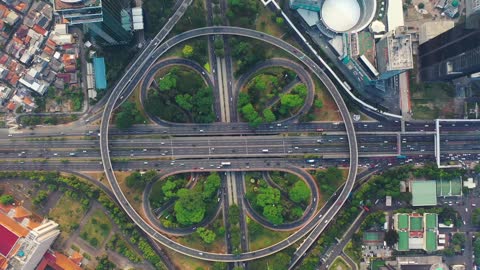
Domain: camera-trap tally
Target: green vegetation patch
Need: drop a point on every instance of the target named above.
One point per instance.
(269, 96)
(118, 244)
(339, 264)
(67, 213)
(261, 237)
(97, 229)
(181, 96)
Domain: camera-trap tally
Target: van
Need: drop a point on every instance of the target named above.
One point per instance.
(72, 154)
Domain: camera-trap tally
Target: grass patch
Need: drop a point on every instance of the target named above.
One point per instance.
(187, 263)
(96, 230)
(67, 213)
(353, 253)
(329, 111)
(134, 196)
(261, 237)
(122, 247)
(218, 245)
(339, 264)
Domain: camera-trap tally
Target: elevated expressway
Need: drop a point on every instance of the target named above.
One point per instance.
(136, 77)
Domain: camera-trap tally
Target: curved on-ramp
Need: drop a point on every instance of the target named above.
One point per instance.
(134, 78)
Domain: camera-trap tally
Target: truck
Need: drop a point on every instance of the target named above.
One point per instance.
(226, 163)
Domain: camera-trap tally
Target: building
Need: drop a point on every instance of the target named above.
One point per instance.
(416, 231)
(24, 240)
(429, 30)
(99, 71)
(394, 53)
(313, 5)
(473, 14)
(108, 21)
(418, 263)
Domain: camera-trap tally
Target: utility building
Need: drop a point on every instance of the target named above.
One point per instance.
(313, 5)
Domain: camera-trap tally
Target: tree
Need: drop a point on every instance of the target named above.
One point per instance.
(211, 185)
(219, 266)
(318, 103)
(248, 111)
(6, 199)
(291, 101)
(184, 101)
(280, 21)
(134, 180)
(391, 237)
(128, 115)
(421, 5)
(189, 208)
(477, 168)
(268, 196)
(168, 189)
(187, 51)
(207, 236)
(273, 213)
(476, 217)
(168, 82)
(299, 192)
(269, 116)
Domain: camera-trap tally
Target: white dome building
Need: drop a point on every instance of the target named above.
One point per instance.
(346, 16)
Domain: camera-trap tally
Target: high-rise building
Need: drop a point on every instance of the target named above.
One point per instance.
(24, 239)
(313, 5)
(453, 54)
(108, 21)
(473, 14)
(394, 53)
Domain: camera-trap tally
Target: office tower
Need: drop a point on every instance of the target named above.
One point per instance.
(394, 54)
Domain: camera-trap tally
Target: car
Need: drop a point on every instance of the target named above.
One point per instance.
(10, 135)
(320, 129)
(201, 130)
(145, 162)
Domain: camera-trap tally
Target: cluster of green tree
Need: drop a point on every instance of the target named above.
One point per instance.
(116, 60)
(75, 96)
(476, 217)
(208, 236)
(138, 180)
(92, 192)
(266, 200)
(40, 198)
(181, 97)
(386, 184)
(476, 249)
(6, 199)
(104, 263)
(477, 168)
(298, 193)
(310, 116)
(329, 180)
(128, 115)
(431, 171)
(243, 13)
(263, 88)
(457, 244)
(194, 17)
(234, 221)
(120, 246)
(247, 53)
(192, 204)
(156, 14)
(196, 50)
(167, 189)
(32, 120)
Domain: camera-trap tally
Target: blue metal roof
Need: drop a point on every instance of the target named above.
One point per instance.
(99, 69)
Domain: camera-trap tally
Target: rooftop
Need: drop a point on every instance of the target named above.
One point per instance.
(424, 193)
(8, 240)
(400, 55)
(76, 4)
(99, 69)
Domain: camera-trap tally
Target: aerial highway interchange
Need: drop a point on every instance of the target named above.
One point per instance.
(281, 146)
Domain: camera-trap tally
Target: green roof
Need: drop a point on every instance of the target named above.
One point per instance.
(449, 187)
(431, 221)
(403, 221)
(416, 224)
(424, 193)
(431, 243)
(402, 241)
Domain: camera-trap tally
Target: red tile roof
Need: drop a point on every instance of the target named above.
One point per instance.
(8, 240)
(37, 28)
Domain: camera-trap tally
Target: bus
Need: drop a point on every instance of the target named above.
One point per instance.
(401, 157)
(226, 163)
